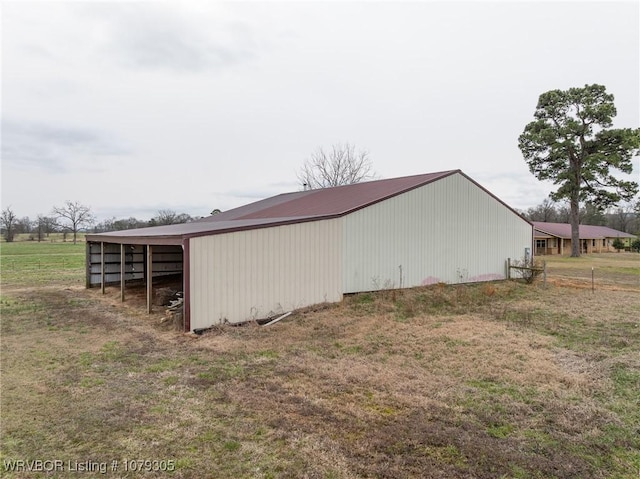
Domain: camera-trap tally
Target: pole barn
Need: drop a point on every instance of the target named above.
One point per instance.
(297, 249)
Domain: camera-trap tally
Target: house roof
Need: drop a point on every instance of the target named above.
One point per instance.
(563, 230)
(278, 210)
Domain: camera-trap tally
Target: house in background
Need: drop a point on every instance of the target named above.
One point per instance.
(555, 238)
(307, 247)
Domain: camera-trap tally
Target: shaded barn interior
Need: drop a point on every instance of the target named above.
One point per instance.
(111, 264)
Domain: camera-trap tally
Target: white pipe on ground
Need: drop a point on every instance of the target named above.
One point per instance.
(278, 319)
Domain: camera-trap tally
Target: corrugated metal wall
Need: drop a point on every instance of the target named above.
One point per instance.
(258, 273)
(450, 231)
(134, 263)
(167, 261)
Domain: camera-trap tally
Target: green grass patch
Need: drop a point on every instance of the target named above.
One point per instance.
(165, 364)
(626, 400)
(89, 382)
(495, 388)
(30, 263)
(222, 371)
(231, 445)
(500, 430)
(268, 354)
(448, 454)
(171, 380)
(114, 351)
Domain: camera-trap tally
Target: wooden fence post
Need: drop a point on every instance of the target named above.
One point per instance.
(508, 268)
(122, 272)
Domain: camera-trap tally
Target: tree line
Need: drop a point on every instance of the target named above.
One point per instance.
(74, 217)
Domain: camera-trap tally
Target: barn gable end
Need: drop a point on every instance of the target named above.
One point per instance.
(450, 231)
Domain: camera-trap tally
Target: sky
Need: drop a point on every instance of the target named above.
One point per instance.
(135, 107)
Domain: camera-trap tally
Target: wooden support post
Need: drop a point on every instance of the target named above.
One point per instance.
(508, 268)
(149, 277)
(186, 286)
(102, 278)
(88, 265)
(122, 278)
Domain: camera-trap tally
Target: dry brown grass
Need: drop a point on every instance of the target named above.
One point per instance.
(484, 381)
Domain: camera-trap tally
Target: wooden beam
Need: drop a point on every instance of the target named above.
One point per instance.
(149, 277)
(102, 278)
(88, 264)
(186, 286)
(122, 262)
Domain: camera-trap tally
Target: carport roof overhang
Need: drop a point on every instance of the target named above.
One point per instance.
(177, 234)
(130, 240)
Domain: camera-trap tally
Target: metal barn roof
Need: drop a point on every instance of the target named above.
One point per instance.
(282, 209)
(329, 202)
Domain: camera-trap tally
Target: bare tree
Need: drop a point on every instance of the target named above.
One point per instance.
(342, 165)
(169, 217)
(114, 224)
(43, 226)
(563, 212)
(75, 215)
(545, 211)
(623, 218)
(8, 223)
(24, 225)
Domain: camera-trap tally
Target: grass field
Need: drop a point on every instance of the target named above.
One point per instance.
(30, 262)
(495, 380)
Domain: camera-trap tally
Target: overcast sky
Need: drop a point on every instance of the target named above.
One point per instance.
(134, 107)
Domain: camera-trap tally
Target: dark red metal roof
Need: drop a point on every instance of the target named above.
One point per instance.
(282, 209)
(251, 208)
(334, 201)
(563, 230)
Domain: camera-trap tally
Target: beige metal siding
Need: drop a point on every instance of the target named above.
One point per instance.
(257, 273)
(450, 231)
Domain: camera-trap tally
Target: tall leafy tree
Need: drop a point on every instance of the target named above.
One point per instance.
(592, 215)
(571, 143)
